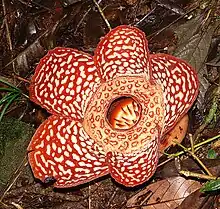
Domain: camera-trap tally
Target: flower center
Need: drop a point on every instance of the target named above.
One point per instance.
(123, 113)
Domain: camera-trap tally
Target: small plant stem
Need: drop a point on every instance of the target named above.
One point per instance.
(196, 158)
(25, 95)
(196, 146)
(192, 143)
(21, 79)
(16, 205)
(197, 175)
(166, 161)
(8, 35)
(102, 14)
(4, 204)
(84, 16)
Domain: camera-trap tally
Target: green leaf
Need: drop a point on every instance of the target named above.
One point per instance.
(9, 84)
(6, 97)
(211, 154)
(10, 100)
(8, 89)
(211, 186)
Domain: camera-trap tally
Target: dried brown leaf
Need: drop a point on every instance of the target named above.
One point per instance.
(193, 46)
(164, 194)
(171, 169)
(197, 200)
(30, 53)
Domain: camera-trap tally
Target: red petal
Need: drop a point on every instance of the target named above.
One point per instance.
(61, 149)
(64, 81)
(124, 50)
(180, 86)
(135, 168)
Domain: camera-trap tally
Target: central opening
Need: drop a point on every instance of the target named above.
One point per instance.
(123, 113)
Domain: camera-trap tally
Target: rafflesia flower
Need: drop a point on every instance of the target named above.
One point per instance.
(109, 111)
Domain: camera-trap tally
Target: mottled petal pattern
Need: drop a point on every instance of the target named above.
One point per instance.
(123, 51)
(135, 168)
(62, 150)
(64, 81)
(180, 86)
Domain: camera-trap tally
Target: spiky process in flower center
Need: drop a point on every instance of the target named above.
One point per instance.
(123, 113)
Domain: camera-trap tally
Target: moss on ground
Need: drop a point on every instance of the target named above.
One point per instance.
(14, 138)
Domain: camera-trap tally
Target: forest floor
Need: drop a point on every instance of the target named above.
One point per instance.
(186, 29)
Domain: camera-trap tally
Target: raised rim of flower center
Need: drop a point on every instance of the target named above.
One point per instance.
(123, 112)
(146, 93)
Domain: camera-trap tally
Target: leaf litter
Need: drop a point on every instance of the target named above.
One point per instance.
(184, 28)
